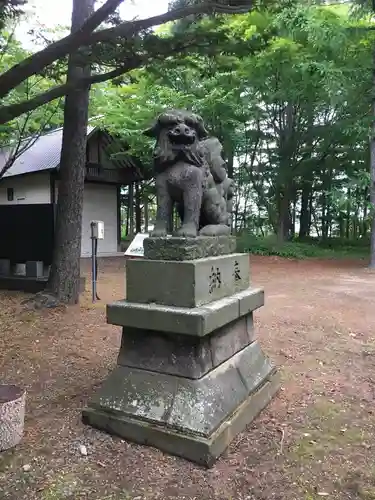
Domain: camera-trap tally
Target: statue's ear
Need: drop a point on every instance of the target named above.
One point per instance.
(154, 131)
(201, 129)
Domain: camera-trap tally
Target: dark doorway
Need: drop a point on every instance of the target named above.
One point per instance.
(27, 232)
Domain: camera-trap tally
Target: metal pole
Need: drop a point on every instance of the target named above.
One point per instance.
(93, 268)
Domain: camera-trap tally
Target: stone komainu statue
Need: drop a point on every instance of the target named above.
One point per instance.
(190, 173)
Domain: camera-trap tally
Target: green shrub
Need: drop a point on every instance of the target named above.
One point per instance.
(298, 250)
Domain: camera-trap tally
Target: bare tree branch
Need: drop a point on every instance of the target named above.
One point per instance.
(35, 63)
(130, 28)
(85, 36)
(22, 145)
(8, 113)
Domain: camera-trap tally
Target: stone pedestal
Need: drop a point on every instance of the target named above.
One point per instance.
(4, 267)
(34, 269)
(12, 415)
(190, 374)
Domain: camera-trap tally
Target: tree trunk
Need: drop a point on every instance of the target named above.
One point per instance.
(326, 204)
(311, 203)
(364, 222)
(372, 165)
(126, 206)
(245, 215)
(285, 182)
(138, 209)
(307, 181)
(235, 215)
(372, 259)
(324, 216)
(65, 270)
(348, 212)
(293, 221)
(304, 214)
(131, 210)
(372, 171)
(341, 227)
(284, 222)
(330, 175)
(145, 198)
(230, 163)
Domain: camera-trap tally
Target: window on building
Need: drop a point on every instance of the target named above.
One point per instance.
(10, 194)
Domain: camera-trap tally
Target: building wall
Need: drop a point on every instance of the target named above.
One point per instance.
(33, 188)
(99, 203)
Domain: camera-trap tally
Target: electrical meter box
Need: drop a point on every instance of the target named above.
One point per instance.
(97, 229)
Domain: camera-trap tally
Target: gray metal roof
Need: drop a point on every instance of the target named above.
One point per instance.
(44, 154)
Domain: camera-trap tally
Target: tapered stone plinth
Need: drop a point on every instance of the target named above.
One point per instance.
(190, 374)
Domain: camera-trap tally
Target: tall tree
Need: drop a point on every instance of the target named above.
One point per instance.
(64, 277)
(367, 8)
(372, 161)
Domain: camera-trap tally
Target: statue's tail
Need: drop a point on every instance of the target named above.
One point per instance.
(213, 148)
(228, 188)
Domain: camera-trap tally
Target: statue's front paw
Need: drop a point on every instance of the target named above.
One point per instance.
(187, 231)
(158, 232)
(215, 230)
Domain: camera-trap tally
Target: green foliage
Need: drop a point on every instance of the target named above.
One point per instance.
(287, 91)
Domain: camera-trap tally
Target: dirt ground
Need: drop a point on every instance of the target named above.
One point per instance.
(315, 440)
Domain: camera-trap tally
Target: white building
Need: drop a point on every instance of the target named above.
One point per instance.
(34, 177)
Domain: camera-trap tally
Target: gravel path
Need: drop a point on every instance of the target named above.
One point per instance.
(315, 440)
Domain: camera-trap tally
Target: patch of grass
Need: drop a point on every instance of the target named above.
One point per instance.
(328, 432)
(65, 486)
(360, 484)
(7, 459)
(69, 486)
(367, 494)
(118, 496)
(300, 250)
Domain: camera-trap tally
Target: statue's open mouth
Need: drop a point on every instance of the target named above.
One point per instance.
(181, 139)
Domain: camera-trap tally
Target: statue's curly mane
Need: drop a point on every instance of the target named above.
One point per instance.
(166, 154)
(213, 148)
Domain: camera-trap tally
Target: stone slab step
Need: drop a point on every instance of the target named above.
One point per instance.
(198, 321)
(174, 248)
